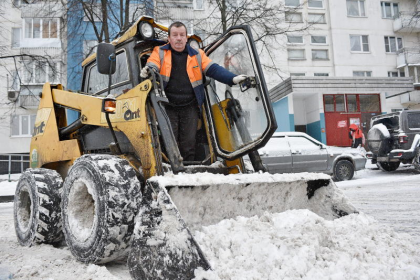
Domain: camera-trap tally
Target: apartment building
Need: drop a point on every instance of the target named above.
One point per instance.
(31, 54)
(358, 59)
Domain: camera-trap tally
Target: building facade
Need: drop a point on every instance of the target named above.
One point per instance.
(32, 54)
(358, 59)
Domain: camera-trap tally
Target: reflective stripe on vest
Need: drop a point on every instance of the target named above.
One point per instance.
(199, 60)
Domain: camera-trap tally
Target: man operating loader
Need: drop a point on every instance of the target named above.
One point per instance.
(182, 69)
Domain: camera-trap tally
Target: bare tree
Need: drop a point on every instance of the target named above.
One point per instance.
(89, 22)
(23, 69)
(265, 17)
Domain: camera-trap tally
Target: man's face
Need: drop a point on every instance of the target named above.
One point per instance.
(178, 38)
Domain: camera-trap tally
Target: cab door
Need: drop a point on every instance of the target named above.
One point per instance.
(240, 117)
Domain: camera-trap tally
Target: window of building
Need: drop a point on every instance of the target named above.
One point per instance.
(41, 28)
(319, 54)
(15, 37)
(369, 102)
(334, 103)
(22, 125)
(362, 73)
(293, 39)
(39, 72)
(320, 40)
(233, 3)
(296, 53)
(292, 3)
(356, 8)
(297, 74)
(98, 82)
(329, 103)
(397, 73)
(359, 43)
(340, 106)
(352, 103)
(293, 17)
(393, 44)
(389, 10)
(316, 4)
(321, 74)
(198, 4)
(316, 18)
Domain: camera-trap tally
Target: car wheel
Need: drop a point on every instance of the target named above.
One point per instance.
(343, 170)
(388, 166)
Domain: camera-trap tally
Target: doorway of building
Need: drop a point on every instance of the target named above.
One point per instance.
(342, 110)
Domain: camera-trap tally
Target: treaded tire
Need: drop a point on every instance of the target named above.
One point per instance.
(101, 197)
(378, 142)
(388, 166)
(37, 214)
(343, 170)
(416, 160)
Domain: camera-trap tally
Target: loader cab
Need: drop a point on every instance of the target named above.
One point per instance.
(236, 120)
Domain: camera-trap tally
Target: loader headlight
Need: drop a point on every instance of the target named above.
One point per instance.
(194, 44)
(146, 30)
(109, 105)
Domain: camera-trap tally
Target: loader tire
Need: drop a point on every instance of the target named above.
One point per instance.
(101, 195)
(388, 166)
(37, 214)
(343, 170)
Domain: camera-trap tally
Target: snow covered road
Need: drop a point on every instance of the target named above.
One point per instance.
(295, 244)
(392, 198)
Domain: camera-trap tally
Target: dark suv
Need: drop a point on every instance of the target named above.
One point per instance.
(395, 138)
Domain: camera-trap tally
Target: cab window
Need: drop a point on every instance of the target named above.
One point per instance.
(98, 83)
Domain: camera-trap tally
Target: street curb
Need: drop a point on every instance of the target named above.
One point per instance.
(7, 198)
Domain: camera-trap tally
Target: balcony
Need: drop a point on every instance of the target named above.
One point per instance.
(407, 22)
(408, 57)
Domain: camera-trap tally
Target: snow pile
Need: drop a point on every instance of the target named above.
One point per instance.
(7, 188)
(40, 262)
(298, 244)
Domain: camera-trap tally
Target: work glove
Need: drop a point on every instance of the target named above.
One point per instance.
(240, 78)
(144, 73)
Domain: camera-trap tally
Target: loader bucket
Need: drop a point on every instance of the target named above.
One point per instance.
(175, 205)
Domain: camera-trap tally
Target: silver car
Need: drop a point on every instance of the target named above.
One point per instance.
(292, 152)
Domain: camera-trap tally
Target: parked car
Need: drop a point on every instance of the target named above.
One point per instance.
(394, 138)
(291, 152)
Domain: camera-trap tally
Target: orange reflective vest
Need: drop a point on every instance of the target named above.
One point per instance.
(198, 65)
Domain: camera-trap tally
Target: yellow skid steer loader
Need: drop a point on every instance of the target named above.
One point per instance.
(113, 184)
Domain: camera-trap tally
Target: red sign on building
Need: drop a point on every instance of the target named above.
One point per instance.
(341, 124)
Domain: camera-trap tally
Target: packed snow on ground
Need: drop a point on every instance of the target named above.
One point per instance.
(295, 244)
(6, 187)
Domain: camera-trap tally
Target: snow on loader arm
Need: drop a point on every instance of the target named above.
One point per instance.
(113, 184)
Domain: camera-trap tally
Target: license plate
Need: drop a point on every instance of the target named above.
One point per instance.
(382, 158)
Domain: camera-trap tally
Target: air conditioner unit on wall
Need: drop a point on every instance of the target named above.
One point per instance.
(13, 95)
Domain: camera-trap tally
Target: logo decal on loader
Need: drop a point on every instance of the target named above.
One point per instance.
(127, 110)
(130, 115)
(41, 121)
